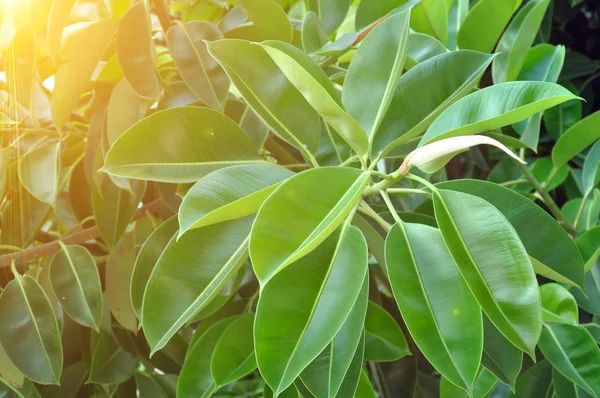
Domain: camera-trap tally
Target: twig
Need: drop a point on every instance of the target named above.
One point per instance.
(580, 210)
(48, 249)
(163, 14)
(547, 199)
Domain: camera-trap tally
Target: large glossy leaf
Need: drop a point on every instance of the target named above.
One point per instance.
(233, 357)
(135, 52)
(349, 385)
(114, 209)
(125, 108)
(29, 333)
(499, 356)
(320, 199)
(591, 169)
(431, 17)
(384, 340)
(39, 170)
(195, 379)
(560, 261)
(589, 247)
(484, 384)
(370, 11)
(558, 305)
(494, 107)
(279, 104)
(270, 20)
(330, 12)
(147, 258)
(323, 286)
(201, 72)
(365, 389)
(336, 365)
(313, 83)
(314, 36)
(118, 275)
(517, 39)
(228, 194)
(564, 388)
(484, 24)
(446, 328)
(20, 66)
(200, 263)
(59, 17)
(78, 62)
(581, 135)
(179, 145)
(574, 353)
(369, 87)
(421, 47)
(450, 76)
(110, 364)
(76, 282)
(494, 263)
(590, 301)
(535, 382)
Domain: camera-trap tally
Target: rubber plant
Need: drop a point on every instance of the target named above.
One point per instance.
(260, 198)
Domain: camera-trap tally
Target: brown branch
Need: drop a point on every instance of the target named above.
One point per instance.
(48, 249)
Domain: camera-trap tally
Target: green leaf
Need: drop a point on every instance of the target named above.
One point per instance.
(364, 388)
(421, 47)
(560, 261)
(29, 333)
(195, 379)
(494, 107)
(313, 83)
(350, 383)
(499, 355)
(179, 145)
(573, 352)
(76, 282)
(589, 247)
(80, 58)
(269, 19)
(110, 364)
(431, 17)
(314, 36)
(494, 263)
(210, 257)
(8, 371)
(517, 39)
(147, 258)
(384, 340)
(320, 199)
(118, 8)
(484, 384)
(135, 52)
(156, 385)
(330, 12)
(323, 286)
(369, 87)
(233, 357)
(484, 24)
(370, 11)
(39, 170)
(558, 305)
(228, 194)
(581, 135)
(125, 108)
(448, 332)
(543, 63)
(20, 66)
(591, 169)
(590, 301)
(59, 17)
(560, 118)
(564, 388)
(272, 101)
(332, 372)
(542, 168)
(535, 382)
(114, 209)
(118, 276)
(437, 82)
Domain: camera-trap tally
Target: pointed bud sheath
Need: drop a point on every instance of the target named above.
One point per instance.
(432, 157)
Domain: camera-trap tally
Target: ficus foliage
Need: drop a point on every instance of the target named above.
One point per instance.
(299, 199)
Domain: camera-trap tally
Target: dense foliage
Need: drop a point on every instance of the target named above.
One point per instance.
(321, 198)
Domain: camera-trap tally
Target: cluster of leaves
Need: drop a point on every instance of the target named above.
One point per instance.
(258, 198)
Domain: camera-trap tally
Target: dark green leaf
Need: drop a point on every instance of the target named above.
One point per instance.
(384, 340)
